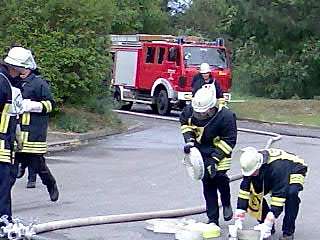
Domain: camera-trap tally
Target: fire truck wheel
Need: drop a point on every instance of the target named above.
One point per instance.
(121, 104)
(163, 103)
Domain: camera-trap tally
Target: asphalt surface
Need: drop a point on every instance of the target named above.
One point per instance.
(141, 171)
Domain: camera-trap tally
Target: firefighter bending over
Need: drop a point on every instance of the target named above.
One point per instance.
(275, 171)
(213, 131)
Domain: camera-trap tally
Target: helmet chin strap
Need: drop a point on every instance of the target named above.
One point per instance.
(207, 115)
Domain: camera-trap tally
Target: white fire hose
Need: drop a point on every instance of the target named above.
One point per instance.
(122, 218)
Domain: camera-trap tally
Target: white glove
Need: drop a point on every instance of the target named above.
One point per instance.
(265, 227)
(239, 217)
(31, 106)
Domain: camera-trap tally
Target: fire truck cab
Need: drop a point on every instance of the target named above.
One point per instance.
(158, 69)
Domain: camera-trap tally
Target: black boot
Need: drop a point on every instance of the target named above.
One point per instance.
(227, 213)
(286, 237)
(53, 192)
(21, 172)
(216, 222)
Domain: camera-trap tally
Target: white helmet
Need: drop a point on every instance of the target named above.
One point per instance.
(205, 68)
(21, 57)
(204, 99)
(250, 161)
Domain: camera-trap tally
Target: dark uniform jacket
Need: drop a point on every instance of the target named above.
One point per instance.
(280, 169)
(214, 137)
(34, 125)
(8, 121)
(198, 82)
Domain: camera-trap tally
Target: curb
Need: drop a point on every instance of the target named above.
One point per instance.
(287, 129)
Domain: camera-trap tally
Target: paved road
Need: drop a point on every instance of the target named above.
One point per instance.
(141, 171)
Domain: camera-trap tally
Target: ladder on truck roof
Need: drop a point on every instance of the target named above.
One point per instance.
(136, 39)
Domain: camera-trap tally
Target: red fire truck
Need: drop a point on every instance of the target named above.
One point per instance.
(158, 69)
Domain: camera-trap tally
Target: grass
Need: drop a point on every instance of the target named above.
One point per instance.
(81, 119)
(305, 112)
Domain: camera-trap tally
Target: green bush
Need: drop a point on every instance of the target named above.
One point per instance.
(71, 122)
(68, 37)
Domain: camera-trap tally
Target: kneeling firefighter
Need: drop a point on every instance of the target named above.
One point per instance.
(213, 131)
(270, 171)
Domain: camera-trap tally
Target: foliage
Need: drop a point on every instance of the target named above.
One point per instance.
(140, 16)
(276, 42)
(69, 39)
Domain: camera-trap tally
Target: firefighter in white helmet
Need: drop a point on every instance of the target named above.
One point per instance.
(10, 108)
(213, 131)
(270, 171)
(37, 104)
(205, 77)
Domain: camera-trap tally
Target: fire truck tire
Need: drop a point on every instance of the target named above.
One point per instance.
(163, 103)
(120, 104)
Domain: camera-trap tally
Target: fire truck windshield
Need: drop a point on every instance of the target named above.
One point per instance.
(197, 55)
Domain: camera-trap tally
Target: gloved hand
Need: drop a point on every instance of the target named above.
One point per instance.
(31, 106)
(187, 147)
(239, 217)
(266, 227)
(210, 168)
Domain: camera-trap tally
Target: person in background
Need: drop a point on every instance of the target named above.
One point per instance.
(205, 77)
(37, 104)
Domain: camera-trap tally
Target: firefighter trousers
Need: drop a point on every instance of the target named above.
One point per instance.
(291, 208)
(7, 180)
(37, 163)
(32, 176)
(210, 191)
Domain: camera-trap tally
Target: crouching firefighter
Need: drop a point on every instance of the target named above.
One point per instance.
(213, 131)
(37, 104)
(270, 171)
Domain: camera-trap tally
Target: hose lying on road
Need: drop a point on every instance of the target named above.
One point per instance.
(122, 218)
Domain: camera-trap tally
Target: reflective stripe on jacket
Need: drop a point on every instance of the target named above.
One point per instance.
(34, 125)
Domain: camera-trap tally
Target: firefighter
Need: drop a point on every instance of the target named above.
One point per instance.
(275, 171)
(10, 101)
(37, 104)
(213, 131)
(204, 77)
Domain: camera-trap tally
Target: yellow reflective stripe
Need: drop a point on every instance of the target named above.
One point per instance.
(186, 128)
(47, 104)
(5, 118)
(222, 145)
(24, 136)
(26, 118)
(224, 164)
(244, 194)
(296, 178)
(277, 201)
(36, 143)
(278, 154)
(5, 154)
(33, 150)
